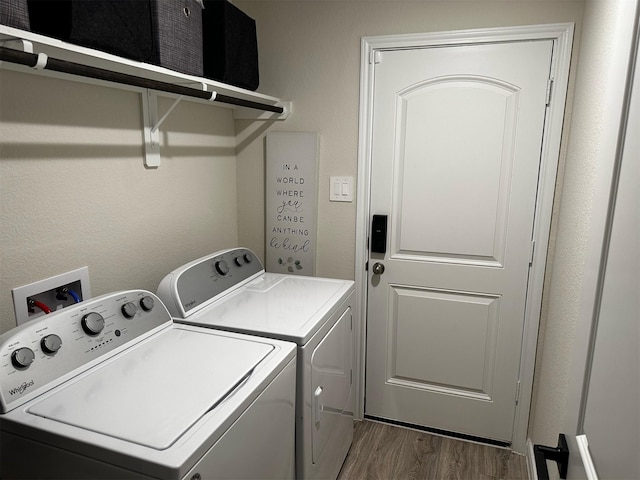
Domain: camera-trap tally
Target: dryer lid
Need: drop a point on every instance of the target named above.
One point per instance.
(155, 391)
(286, 307)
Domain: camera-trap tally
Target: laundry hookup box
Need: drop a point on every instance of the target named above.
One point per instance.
(167, 33)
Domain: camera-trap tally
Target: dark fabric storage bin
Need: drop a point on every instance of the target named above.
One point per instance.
(230, 45)
(162, 32)
(14, 13)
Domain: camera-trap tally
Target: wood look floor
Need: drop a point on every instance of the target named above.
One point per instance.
(386, 452)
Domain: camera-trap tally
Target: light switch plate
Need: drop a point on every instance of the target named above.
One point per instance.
(341, 189)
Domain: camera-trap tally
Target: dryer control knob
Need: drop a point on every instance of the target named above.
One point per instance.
(222, 268)
(51, 343)
(248, 257)
(239, 261)
(129, 309)
(92, 323)
(147, 303)
(22, 357)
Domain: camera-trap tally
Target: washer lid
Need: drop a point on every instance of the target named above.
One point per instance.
(286, 307)
(154, 392)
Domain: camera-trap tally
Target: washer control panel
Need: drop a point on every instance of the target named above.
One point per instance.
(196, 284)
(38, 355)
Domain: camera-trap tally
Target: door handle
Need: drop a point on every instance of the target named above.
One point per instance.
(317, 407)
(378, 268)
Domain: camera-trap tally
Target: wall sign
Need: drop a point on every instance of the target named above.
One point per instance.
(291, 188)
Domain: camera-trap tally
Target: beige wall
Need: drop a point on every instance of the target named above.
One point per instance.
(310, 53)
(74, 190)
(601, 72)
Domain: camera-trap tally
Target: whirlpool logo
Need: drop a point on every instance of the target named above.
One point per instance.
(21, 389)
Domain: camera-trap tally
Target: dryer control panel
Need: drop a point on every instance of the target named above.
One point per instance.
(196, 284)
(41, 354)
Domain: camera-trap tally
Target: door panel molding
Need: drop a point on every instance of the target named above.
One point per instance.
(562, 37)
(450, 258)
(485, 219)
(473, 314)
(486, 211)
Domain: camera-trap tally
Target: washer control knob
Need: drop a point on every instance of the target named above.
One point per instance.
(222, 268)
(22, 358)
(147, 303)
(239, 261)
(248, 258)
(92, 323)
(51, 343)
(129, 309)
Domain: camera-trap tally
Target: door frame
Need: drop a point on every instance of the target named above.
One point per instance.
(562, 36)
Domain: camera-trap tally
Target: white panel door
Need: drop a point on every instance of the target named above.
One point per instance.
(457, 136)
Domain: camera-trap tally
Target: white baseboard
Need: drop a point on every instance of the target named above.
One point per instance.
(531, 461)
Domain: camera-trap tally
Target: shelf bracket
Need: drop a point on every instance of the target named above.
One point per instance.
(156, 126)
(152, 126)
(151, 132)
(17, 44)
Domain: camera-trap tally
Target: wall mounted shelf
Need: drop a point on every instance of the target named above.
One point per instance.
(30, 52)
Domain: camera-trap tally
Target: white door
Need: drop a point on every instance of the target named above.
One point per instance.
(457, 136)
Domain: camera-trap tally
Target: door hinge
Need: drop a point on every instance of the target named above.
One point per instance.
(350, 377)
(549, 91)
(366, 266)
(375, 57)
(533, 249)
(351, 318)
(518, 392)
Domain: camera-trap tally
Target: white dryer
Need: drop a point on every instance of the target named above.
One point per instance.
(229, 290)
(112, 388)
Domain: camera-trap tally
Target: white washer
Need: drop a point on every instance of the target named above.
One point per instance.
(112, 388)
(229, 290)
